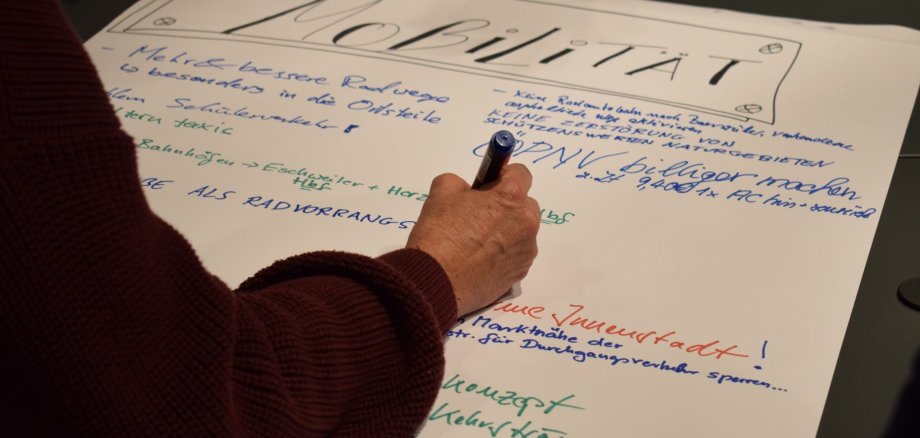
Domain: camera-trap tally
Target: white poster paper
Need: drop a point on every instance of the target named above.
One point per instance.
(710, 182)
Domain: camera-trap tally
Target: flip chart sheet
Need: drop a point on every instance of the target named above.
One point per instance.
(710, 184)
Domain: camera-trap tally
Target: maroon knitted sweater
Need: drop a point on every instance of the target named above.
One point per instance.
(109, 324)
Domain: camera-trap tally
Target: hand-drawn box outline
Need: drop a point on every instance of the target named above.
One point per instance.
(350, 51)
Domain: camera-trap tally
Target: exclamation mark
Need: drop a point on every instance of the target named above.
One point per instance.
(763, 355)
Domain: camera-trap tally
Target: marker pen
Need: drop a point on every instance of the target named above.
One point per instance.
(497, 154)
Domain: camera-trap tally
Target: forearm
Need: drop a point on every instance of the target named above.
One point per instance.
(361, 359)
(115, 326)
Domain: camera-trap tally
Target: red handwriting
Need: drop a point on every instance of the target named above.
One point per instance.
(708, 349)
(533, 312)
(716, 348)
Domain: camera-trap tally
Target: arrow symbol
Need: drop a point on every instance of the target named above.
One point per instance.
(253, 164)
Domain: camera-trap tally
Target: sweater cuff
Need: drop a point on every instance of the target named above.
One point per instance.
(429, 277)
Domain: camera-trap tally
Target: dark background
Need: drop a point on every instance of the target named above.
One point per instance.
(883, 334)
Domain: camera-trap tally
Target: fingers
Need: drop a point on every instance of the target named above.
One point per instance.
(515, 178)
(533, 215)
(447, 183)
(484, 239)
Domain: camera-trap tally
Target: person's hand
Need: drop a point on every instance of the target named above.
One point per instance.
(484, 239)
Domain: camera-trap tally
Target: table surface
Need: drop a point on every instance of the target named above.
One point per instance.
(883, 335)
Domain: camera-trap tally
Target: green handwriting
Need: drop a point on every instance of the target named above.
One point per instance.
(507, 397)
(550, 217)
(134, 115)
(456, 417)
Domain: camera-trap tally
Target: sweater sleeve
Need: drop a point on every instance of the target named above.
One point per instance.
(110, 325)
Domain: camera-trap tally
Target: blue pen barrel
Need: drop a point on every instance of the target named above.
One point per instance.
(497, 154)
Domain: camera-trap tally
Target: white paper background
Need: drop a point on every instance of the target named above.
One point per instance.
(706, 268)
